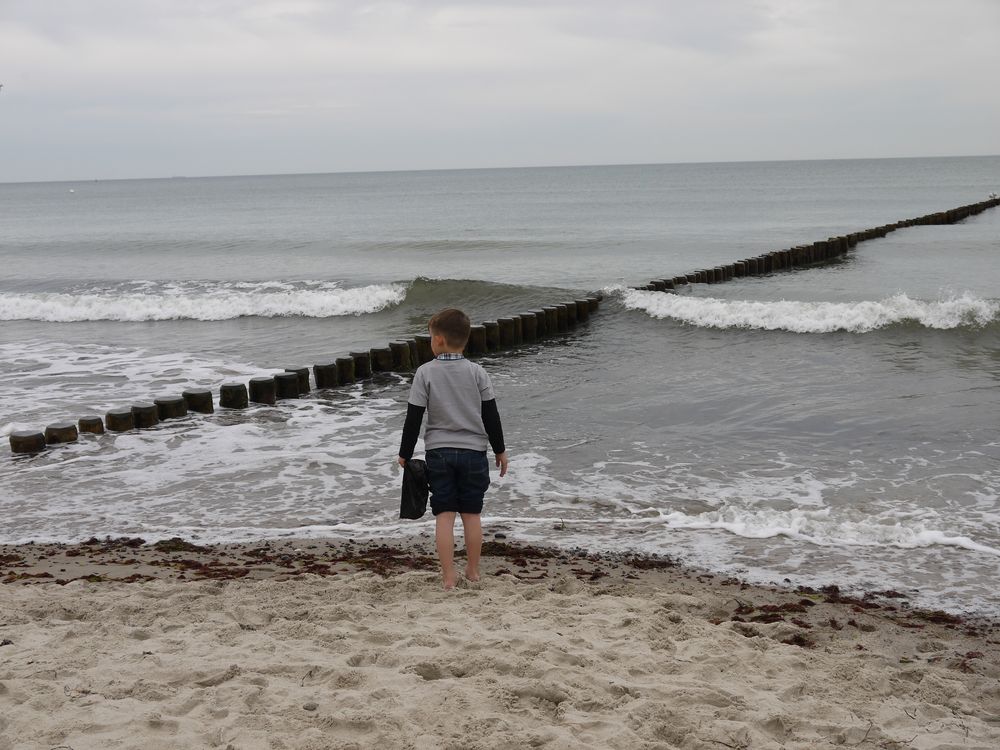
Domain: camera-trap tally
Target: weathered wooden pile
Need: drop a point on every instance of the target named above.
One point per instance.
(401, 356)
(405, 355)
(806, 255)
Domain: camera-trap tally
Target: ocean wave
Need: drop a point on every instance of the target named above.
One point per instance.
(149, 301)
(472, 293)
(966, 310)
(820, 528)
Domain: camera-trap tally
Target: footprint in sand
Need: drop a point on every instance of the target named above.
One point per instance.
(427, 670)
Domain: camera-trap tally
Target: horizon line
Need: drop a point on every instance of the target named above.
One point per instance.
(483, 169)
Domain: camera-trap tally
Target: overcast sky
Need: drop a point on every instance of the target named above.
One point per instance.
(146, 88)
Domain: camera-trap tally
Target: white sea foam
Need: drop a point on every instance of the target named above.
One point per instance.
(815, 317)
(306, 464)
(147, 301)
(822, 527)
(49, 380)
(751, 506)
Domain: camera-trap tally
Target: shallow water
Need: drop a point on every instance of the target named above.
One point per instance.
(834, 424)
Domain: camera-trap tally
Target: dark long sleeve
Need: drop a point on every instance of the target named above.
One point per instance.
(494, 430)
(411, 430)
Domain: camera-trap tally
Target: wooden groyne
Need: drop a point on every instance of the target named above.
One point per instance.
(406, 354)
(399, 356)
(811, 254)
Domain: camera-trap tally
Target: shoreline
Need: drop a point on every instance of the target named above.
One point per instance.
(332, 644)
(126, 559)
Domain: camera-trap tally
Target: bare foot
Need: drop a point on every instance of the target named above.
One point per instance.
(450, 581)
(471, 575)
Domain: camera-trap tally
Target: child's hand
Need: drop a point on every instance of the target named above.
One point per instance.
(502, 462)
(401, 460)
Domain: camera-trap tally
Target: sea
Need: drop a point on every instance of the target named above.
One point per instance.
(836, 424)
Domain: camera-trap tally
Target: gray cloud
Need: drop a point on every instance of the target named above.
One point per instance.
(113, 88)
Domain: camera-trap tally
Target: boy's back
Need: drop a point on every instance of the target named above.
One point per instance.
(453, 392)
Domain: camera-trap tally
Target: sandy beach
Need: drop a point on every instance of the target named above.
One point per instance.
(315, 644)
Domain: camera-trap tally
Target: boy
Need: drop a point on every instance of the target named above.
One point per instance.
(461, 416)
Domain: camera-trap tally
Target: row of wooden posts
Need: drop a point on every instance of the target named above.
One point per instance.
(406, 354)
(804, 255)
(401, 356)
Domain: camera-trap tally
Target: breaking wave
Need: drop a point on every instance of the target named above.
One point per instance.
(148, 301)
(815, 317)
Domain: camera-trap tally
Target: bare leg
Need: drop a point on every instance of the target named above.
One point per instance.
(444, 535)
(473, 544)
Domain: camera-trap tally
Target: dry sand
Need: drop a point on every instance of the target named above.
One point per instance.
(308, 645)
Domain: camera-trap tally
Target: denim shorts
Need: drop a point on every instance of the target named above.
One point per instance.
(458, 478)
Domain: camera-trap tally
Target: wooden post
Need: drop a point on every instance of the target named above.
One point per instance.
(400, 351)
(326, 375)
(570, 313)
(477, 340)
(199, 401)
(362, 365)
(145, 415)
(233, 396)
(382, 358)
(506, 332)
(61, 432)
(492, 335)
(414, 356)
(563, 317)
(303, 374)
(286, 385)
(594, 304)
(518, 330)
(120, 420)
(541, 331)
(424, 351)
(529, 327)
(171, 407)
(26, 441)
(345, 370)
(262, 390)
(91, 425)
(582, 309)
(551, 320)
